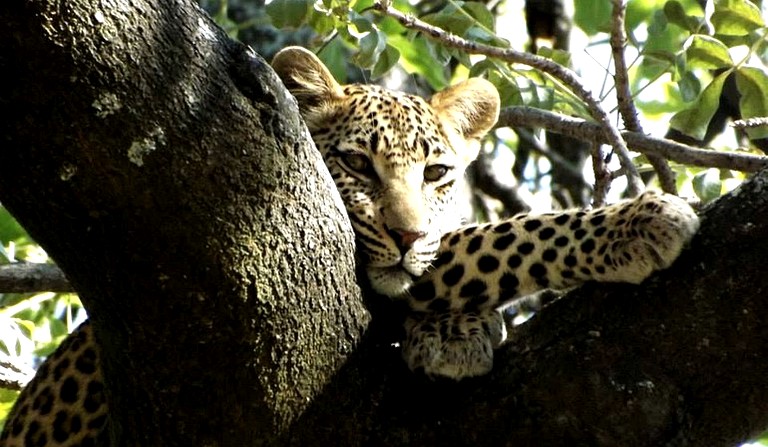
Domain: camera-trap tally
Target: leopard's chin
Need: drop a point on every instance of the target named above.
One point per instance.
(392, 282)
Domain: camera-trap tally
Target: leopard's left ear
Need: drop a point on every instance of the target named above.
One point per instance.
(309, 81)
(471, 106)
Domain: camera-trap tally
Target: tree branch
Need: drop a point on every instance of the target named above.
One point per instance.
(586, 131)
(29, 278)
(565, 75)
(624, 96)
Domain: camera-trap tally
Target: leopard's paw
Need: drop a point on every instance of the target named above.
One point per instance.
(646, 234)
(453, 344)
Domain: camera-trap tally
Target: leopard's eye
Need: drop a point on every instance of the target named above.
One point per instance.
(434, 173)
(357, 162)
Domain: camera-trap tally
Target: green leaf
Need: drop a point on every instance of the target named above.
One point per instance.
(669, 101)
(480, 34)
(288, 13)
(593, 16)
(694, 120)
(387, 59)
(7, 399)
(707, 184)
(418, 56)
(658, 23)
(753, 85)
(675, 13)
(661, 47)
(480, 12)
(707, 53)
(335, 56)
(638, 11)
(509, 91)
(10, 230)
(689, 86)
(371, 46)
(561, 57)
(320, 22)
(450, 19)
(736, 17)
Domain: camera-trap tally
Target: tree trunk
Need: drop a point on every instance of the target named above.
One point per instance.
(167, 172)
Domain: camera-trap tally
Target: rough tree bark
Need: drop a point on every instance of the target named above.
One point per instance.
(167, 172)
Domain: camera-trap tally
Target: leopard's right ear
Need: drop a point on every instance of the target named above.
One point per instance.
(308, 79)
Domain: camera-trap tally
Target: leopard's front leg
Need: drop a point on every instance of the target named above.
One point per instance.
(482, 267)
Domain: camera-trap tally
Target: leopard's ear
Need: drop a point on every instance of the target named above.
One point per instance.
(307, 78)
(472, 107)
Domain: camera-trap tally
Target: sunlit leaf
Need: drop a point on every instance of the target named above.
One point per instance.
(736, 17)
(418, 56)
(7, 398)
(753, 85)
(694, 120)
(707, 53)
(638, 11)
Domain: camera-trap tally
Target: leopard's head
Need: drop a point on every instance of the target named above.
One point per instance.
(396, 159)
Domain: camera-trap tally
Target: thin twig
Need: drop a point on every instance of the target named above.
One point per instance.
(670, 150)
(624, 97)
(568, 77)
(750, 123)
(603, 177)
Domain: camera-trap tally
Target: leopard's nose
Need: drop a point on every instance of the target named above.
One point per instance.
(405, 238)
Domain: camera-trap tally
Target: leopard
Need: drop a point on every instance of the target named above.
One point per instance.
(398, 162)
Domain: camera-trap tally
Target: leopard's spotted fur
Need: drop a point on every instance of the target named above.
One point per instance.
(396, 160)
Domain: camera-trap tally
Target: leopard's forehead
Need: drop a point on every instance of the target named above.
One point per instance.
(397, 126)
